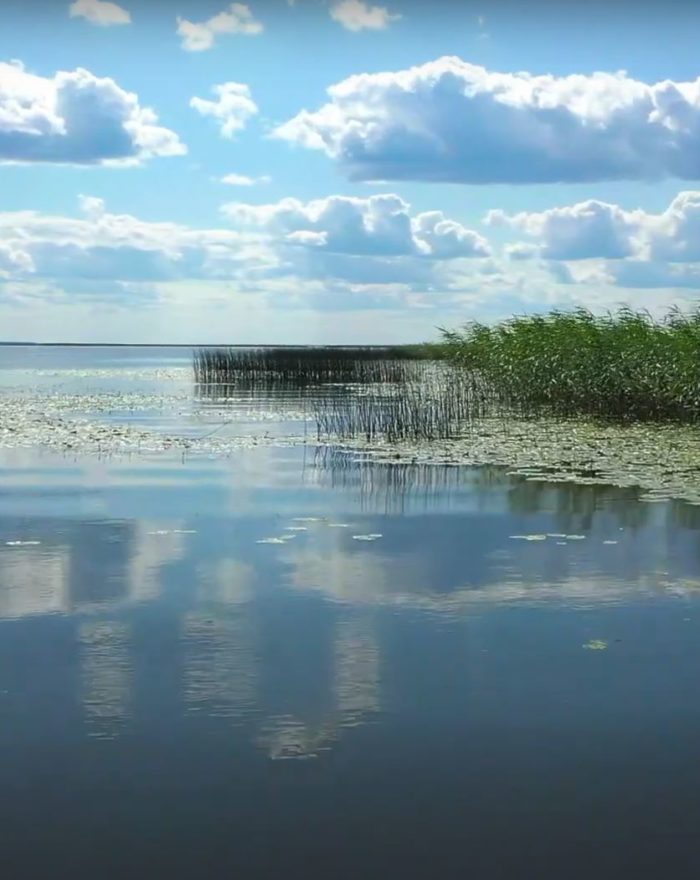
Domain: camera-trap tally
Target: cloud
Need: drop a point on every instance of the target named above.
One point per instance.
(355, 15)
(341, 243)
(644, 274)
(674, 235)
(599, 230)
(104, 247)
(452, 121)
(99, 12)
(235, 19)
(360, 241)
(76, 118)
(521, 251)
(244, 180)
(232, 109)
(599, 244)
(377, 226)
(285, 260)
(578, 232)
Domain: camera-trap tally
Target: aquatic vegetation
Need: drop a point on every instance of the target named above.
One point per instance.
(349, 392)
(110, 423)
(528, 537)
(624, 365)
(661, 457)
(435, 403)
(173, 532)
(302, 367)
(435, 417)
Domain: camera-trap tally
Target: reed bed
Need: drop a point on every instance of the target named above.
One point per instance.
(371, 393)
(624, 365)
(299, 368)
(435, 405)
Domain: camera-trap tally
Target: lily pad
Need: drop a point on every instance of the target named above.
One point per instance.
(528, 537)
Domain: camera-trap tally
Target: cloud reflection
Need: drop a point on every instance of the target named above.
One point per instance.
(107, 676)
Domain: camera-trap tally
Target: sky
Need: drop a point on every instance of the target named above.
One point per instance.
(340, 171)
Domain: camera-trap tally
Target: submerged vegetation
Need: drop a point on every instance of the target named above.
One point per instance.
(624, 365)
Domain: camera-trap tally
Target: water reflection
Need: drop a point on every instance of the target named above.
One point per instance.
(284, 644)
(34, 582)
(86, 566)
(107, 676)
(351, 699)
(390, 487)
(219, 664)
(399, 487)
(356, 670)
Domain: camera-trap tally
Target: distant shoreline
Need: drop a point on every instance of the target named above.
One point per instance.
(177, 345)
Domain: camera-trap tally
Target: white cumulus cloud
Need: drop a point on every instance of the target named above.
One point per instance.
(355, 15)
(599, 230)
(377, 226)
(78, 118)
(577, 232)
(232, 108)
(100, 246)
(449, 120)
(338, 241)
(244, 179)
(235, 19)
(100, 12)
(594, 243)
(331, 254)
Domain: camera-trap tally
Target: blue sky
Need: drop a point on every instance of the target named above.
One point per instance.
(180, 172)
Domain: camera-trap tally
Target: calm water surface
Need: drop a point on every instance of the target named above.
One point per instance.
(178, 700)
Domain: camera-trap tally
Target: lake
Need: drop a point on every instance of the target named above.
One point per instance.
(289, 661)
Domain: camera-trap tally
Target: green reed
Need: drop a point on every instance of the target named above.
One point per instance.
(623, 365)
(433, 404)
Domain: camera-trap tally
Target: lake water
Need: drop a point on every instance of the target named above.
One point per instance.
(182, 698)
